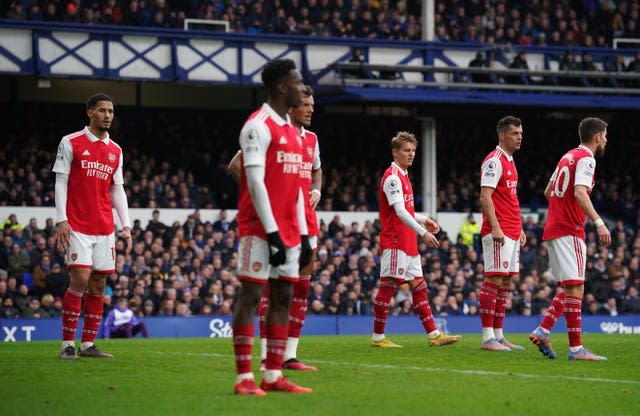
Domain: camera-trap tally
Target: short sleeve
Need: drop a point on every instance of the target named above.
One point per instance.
(118, 177)
(585, 171)
(490, 173)
(255, 138)
(392, 188)
(64, 157)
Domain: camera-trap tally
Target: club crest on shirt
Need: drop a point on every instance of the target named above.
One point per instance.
(74, 256)
(505, 264)
(309, 151)
(256, 266)
(112, 157)
(400, 270)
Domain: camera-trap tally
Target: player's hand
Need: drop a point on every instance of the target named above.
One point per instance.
(314, 198)
(523, 238)
(277, 250)
(431, 226)
(498, 235)
(430, 240)
(62, 236)
(305, 250)
(126, 232)
(604, 235)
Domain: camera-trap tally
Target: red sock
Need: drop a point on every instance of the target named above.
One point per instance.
(554, 311)
(381, 304)
(421, 305)
(298, 308)
(242, 347)
(93, 307)
(71, 305)
(501, 307)
(263, 306)
(276, 344)
(487, 299)
(573, 315)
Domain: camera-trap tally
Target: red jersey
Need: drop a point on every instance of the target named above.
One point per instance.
(310, 162)
(498, 171)
(565, 217)
(93, 165)
(268, 140)
(395, 186)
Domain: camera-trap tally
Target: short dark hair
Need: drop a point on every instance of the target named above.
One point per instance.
(507, 121)
(93, 100)
(589, 127)
(308, 91)
(275, 70)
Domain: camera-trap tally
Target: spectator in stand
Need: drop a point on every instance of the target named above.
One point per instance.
(122, 322)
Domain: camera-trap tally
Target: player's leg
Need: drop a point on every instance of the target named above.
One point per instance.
(277, 324)
(298, 313)
(420, 298)
(254, 271)
(104, 263)
(79, 263)
(263, 306)
(386, 289)
(496, 265)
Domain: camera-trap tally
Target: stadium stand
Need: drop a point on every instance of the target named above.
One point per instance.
(193, 262)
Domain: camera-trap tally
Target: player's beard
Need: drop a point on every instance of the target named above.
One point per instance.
(599, 151)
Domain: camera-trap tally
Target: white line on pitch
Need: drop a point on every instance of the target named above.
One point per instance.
(430, 369)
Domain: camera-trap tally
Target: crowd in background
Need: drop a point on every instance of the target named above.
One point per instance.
(190, 268)
(532, 22)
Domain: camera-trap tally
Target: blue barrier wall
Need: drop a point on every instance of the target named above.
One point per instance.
(220, 326)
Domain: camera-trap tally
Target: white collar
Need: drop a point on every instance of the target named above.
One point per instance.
(404, 172)
(587, 149)
(92, 137)
(275, 116)
(509, 158)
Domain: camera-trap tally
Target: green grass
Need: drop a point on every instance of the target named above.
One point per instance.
(196, 376)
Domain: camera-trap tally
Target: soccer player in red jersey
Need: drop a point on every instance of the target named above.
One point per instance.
(501, 232)
(400, 260)
(311, 175)
(272, 227)
(89, 182)
(568, 192)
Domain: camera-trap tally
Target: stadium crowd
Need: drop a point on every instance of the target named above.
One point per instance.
(189, 268)
(533, 22)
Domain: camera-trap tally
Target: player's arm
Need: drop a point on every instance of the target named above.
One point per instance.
(119, 202)
(233, 168)
(392, 188)
(305, 247)
(316, 186)
(316, 179)
(490, 174)
(254, 142)
(585, 169)
(62, 168)
(428, 223)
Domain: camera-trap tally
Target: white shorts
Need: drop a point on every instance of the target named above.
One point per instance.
(399, 265)
(500, 260)
(95, 252)
(567, 258)
(254, 261)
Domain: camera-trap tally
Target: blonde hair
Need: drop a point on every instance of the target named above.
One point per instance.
(402, 137)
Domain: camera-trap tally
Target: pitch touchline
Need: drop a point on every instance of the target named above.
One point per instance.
(430, 369)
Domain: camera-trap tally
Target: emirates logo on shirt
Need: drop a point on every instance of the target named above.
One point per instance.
(112, 157)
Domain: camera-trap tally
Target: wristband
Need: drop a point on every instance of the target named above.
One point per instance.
(598, 222)
(317, 191)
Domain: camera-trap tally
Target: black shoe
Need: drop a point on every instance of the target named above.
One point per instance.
(94, 352)
(69, 353)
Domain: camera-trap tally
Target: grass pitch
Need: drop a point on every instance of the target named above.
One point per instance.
(196, 377)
